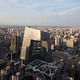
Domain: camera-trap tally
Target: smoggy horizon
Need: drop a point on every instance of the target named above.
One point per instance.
(40, 12)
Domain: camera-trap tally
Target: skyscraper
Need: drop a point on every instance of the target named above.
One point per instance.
(13, 44)
(32, 34)
(58, 40)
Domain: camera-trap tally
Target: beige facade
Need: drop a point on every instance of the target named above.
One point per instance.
(31, 34)
(52, 46)
(45, 44)
(70, 43)
(57, 40)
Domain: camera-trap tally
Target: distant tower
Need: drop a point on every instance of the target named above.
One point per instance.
(58, 40)
(13, 44)
(52, 47)
(71, 31)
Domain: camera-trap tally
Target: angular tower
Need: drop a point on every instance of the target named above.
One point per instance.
(31, 34)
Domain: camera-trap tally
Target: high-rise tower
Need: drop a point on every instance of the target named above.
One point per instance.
(13, 44)
(35, 35)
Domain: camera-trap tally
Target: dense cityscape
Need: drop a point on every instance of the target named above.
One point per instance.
(39, 53)
(39, 39)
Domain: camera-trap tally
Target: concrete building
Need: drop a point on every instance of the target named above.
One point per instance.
(58, 40)
(70, 43)
(35, 35)
(52, 47)
(13, 44)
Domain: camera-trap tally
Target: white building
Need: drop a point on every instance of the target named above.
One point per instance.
(58, 40)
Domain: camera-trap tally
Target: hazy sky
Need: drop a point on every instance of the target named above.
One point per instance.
(40, 12)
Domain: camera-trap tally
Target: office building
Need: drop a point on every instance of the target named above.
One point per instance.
(13, 44)
(58, 40)
(70, 43)
(32, 36)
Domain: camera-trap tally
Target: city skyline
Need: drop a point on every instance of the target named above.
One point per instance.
(40, 12)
